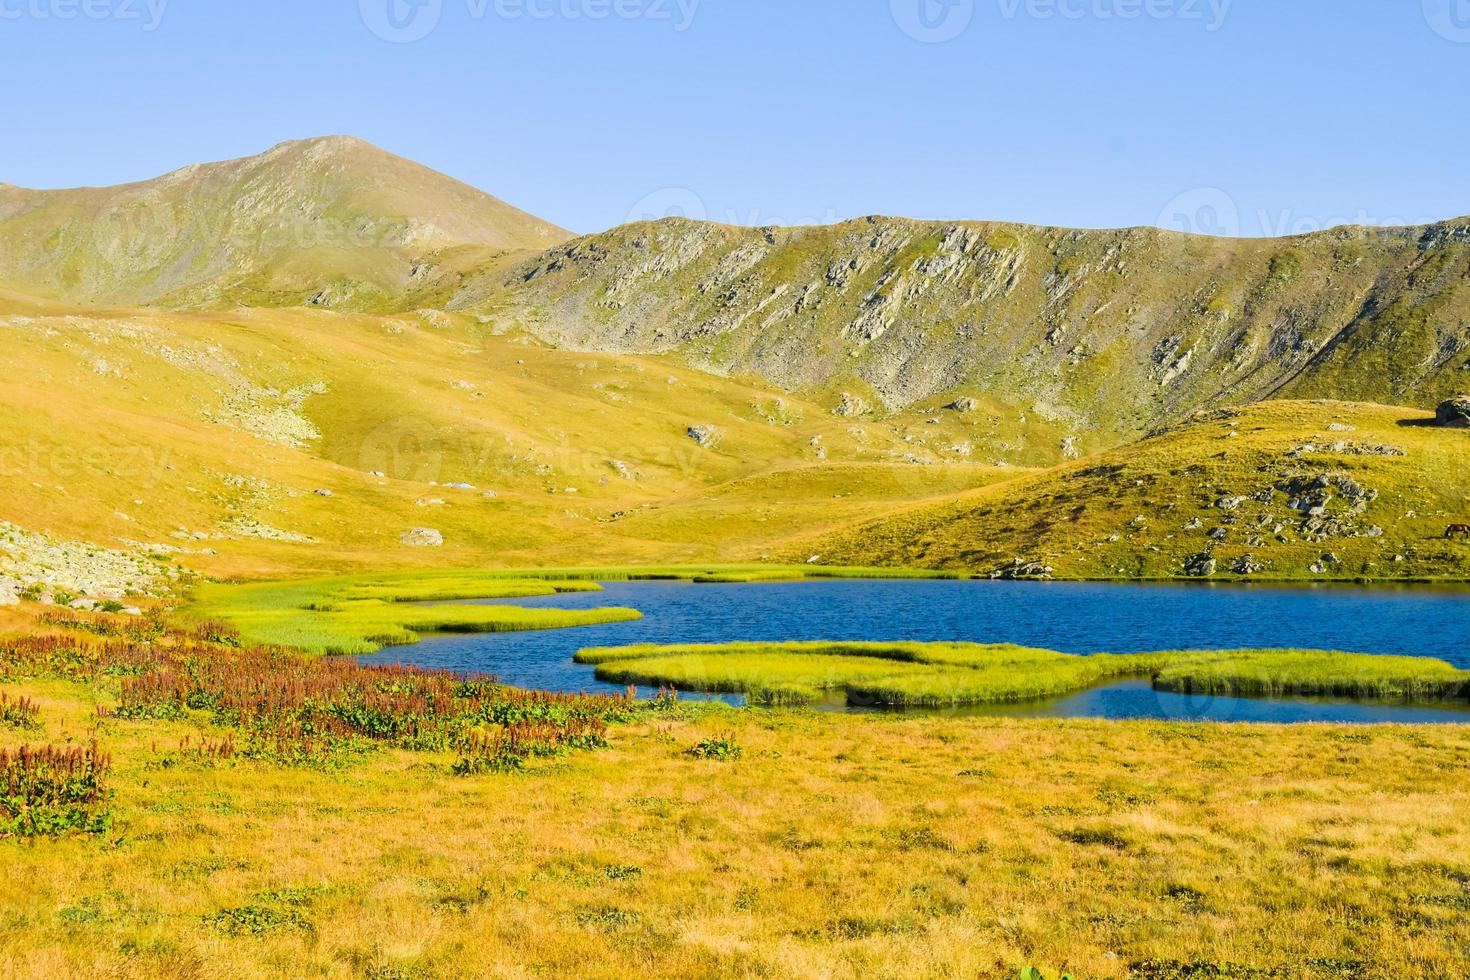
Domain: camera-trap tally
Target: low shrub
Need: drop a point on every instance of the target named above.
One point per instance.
(19, 712)
(721, 748)
(50, 791)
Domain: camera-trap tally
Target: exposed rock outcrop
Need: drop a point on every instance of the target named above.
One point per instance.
(1454, 413)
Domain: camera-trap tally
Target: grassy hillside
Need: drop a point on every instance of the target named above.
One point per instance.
(299, 441)
(1294, 490)
(329, 221)
(1104, 335)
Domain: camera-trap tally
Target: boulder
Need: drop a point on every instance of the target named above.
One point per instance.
(8, 598)
(423, 537)
(706, 435)
(1455, 413)
(1202, 565)
(963, 405)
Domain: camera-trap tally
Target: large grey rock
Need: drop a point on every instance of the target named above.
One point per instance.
(1202, 565)
(423, 537)
(1455, 413)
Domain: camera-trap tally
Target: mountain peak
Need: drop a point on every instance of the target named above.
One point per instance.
(330, 212)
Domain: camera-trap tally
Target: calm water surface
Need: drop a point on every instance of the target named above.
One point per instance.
(1074, 618)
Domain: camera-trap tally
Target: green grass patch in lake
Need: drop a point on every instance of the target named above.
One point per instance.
(953, 674)
(360, 614)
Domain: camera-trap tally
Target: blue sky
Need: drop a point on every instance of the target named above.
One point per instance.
(1243, 116)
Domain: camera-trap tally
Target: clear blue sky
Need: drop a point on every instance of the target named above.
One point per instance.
(1269, 115)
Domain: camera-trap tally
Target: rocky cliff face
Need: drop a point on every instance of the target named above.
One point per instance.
(1114, 332)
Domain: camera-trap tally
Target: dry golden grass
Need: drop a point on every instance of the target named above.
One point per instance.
(834, 846)
(119, 429)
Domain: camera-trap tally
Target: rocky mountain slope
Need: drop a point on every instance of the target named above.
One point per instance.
(1105, 334)
(330, 220)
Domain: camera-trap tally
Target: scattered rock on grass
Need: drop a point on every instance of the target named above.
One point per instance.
(1202, 565)
(706, 435)
(423, 537)
(1020, 569)
(1247, 565)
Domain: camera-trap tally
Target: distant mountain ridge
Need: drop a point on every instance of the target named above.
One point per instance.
(1100, 335)
(1115, 332)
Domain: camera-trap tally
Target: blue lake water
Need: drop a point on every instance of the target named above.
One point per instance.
(1071, 617)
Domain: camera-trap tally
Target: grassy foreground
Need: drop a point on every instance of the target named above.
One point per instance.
(935, 674)
(833, 847)
(208, 809)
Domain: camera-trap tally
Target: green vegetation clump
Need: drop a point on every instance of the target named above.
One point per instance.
(361, 614)
(954, 674)
(51, 790)
(1274, 673)
(19, 712)
(720, 748)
